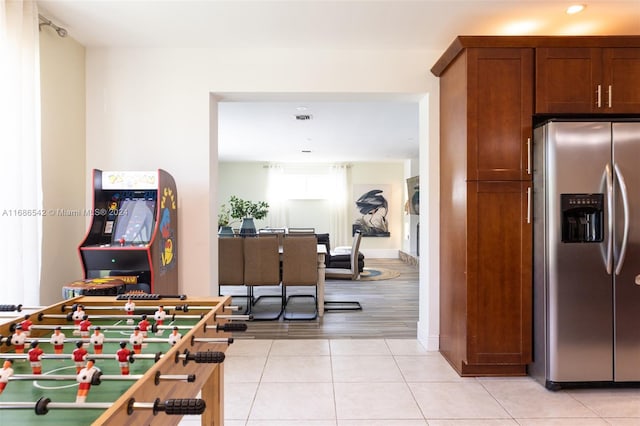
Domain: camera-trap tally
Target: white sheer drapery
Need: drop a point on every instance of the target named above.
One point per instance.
(339, 223)
(20, 161)
(276, 197)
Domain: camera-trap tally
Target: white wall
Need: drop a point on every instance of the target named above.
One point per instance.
(150, 108)
(62, 62)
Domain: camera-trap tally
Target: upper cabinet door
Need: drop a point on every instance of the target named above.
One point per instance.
(587, 80)
(500, 106)
(621, 76)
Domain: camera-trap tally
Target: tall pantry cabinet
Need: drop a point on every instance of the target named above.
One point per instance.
(492, 89)
(486, 102)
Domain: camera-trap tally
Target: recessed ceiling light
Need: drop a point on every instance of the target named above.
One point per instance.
(575, 8)
(306, 151)
(301, 108)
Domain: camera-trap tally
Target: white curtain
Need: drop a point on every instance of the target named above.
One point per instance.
(20, 161)
(276, 197)
(339, 220)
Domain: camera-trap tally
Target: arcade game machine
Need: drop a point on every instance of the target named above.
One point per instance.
(134, 232)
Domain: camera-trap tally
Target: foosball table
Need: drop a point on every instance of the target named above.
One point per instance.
(155, 361)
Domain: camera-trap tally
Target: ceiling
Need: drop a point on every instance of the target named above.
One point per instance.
(356, 130)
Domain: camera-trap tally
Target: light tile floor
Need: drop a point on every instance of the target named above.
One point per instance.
(389, 382)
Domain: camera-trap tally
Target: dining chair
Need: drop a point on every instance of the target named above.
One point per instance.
(262, 268)
(278, 232)
(299, 268)
(231, 265)
(301, 230)
(353, 273)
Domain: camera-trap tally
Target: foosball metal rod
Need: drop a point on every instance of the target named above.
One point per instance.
(138, 308)
(107, 377)
(68, 317)
(225, 340)
(234, 317)
(181, 407)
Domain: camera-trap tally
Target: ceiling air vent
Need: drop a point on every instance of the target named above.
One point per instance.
(303, 117)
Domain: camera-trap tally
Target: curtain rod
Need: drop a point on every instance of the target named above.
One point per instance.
(47, 22)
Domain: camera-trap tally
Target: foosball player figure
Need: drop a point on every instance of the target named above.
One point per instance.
(26, 325)
(97, 340)
(174, 336)
(79, 356)
(136, 340)
(35, 357)
(57, 340)
(129, 308)
(159, 316)
(144, 325)
(77, 315)
(122, 355)
(17, 340)
(5, 372)
(84, 327)
(84, 378)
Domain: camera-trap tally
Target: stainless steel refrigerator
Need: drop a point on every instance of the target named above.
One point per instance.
(586, 252)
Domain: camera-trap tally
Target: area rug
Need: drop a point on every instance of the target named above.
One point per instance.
(377, 274)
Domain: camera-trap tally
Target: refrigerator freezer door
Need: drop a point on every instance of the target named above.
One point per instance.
(579, 290)
(626, 156)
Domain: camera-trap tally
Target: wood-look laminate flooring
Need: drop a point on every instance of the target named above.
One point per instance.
(389, 308)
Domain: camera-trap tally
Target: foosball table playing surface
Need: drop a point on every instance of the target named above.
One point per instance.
(164, 381)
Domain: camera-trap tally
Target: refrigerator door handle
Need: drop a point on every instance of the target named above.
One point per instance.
(609, 190)
(625, 207)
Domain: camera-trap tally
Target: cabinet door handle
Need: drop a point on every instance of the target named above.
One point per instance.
(599, 96)
(528, 204)
(610, 95)
(528, 156)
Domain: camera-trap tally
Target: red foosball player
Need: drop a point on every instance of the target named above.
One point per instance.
(159, 316)
(84, 378)
(5, 372)
(97, 340)
(79, 356)
(26, 325)
(174, 336)
(144, 325)
(122, 355)
(84, 327)
(35, 357)
(17, 339)
(136, 340)
(129, 308)
(57, 340)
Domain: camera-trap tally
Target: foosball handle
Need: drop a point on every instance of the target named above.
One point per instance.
(208, 357)
(180, 406)
(231, 326)
(10, 308)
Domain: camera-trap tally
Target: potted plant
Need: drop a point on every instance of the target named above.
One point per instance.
(224, 222)
(247, 211)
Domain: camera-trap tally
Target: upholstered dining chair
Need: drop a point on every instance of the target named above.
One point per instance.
(262, 268)
(279, 232)
(353, 273)
(231, 265)
(300, 268)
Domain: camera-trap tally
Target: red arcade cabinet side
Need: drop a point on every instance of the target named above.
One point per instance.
(134, 230)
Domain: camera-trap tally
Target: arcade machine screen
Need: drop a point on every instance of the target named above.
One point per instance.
(135, 222)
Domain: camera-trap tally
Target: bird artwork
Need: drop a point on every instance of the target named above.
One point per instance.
(373, 208)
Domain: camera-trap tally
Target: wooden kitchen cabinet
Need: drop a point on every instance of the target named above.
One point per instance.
(572, 80)
(486, 105)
